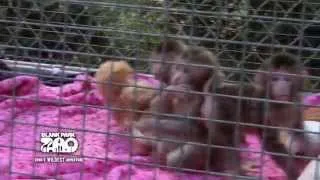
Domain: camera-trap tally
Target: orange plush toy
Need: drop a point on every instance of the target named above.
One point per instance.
(117, 85)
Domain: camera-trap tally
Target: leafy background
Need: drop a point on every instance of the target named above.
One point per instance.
(85, 33)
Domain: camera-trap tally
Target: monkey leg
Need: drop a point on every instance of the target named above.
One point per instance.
(250, 167)
(187, 156)
(233, 163)
(158, 154)
(120, 116)
(225, 160)
(272, 144)
(140, 146)
(163, 149)
(159, 157)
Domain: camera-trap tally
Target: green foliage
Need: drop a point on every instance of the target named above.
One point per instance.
(84, 33)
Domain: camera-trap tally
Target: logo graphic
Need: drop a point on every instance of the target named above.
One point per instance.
(58, 142)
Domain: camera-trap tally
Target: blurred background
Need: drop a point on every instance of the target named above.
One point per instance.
(243, 33)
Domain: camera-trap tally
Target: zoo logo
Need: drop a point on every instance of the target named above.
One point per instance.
(58, 142)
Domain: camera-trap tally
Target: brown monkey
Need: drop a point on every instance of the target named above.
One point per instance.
(181, 128)
(183, 76)
(167, 51)
(208, 77)
(280, 85)
(225, 108)
(126, 94)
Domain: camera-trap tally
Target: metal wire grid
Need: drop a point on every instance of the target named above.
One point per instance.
(179, 20)
(217, 25)
(107, 133)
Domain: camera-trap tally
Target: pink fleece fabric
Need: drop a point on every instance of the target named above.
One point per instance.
(313, 99)
(35, 107)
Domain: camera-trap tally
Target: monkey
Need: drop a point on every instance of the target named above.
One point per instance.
(167, 51)
(225, 108)
(278, 84)
(181, 128)
(183, 75)
(128, 94)
(203, 78)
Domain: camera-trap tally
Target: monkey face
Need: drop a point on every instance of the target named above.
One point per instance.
(167, 51)
(188, 74)
(281, 85)
(180, 75)
(156, 70)
(161, 72)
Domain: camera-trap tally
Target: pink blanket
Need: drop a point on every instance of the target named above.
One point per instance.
(35, 107)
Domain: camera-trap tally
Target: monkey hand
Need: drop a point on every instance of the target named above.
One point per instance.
(250, 168)
(292, 144)
(140, 146)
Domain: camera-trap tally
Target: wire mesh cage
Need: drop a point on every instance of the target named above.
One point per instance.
(50, 51)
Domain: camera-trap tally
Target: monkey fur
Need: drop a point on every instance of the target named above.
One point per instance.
(188, 77)
(279, 85)
(167, 51)
(226, 109)
(181, 129)
(194, 67)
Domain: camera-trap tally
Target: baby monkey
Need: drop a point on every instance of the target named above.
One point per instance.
(281, 81)
(187, 75)
(173, 106)
(222, 108)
